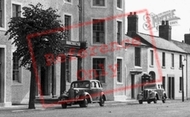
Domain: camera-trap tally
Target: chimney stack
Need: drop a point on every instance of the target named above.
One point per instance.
(132, 23)
(165, 30)
(187, 38)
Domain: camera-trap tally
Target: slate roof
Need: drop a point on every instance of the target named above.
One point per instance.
(160, 43)
(130, 41)
(184, 46)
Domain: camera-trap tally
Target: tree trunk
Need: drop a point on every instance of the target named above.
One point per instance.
(32, 90)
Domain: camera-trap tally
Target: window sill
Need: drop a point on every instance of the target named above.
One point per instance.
(68, 2)
(15, 83)
(119, 83)
(121, 9)
(180, 68)
(99, 7)
(163, 67)
(2, 29)
(172, 67)
(180, 91)
(152, 66)
(138, 67)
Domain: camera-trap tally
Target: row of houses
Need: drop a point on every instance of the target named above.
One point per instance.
(117, 58)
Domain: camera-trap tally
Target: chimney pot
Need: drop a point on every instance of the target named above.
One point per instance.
(167, 22)
(163, 22)
(134, 13)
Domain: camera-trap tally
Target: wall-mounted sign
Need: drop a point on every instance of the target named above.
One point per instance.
(155, 20)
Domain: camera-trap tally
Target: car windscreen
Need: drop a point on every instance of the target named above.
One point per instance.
(84, 84)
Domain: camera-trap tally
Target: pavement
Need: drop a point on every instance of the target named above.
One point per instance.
(51, 106)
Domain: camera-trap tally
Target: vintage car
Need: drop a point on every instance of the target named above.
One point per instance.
(83, 92)
(152, 92)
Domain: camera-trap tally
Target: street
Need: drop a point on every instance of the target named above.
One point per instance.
(168, 109)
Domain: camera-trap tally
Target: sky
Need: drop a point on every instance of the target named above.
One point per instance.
(182, 10)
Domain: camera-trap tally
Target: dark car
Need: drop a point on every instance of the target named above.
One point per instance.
(152, 92)
(83, 92)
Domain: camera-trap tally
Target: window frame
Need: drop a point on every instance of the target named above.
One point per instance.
(180, 61)
(19, 70)
(172, 60)
(163, 59)
(121, 5)
(137, 56)
(92, 32)
(151, 57)
(119, 79)
(68, 69)
(121, 31)
(96, 6)
(4, 22)
(18, 4)
(105, 68)
(66, 1)
(71, 23)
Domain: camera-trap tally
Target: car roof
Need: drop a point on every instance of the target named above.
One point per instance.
(87, 80)
(153, 84)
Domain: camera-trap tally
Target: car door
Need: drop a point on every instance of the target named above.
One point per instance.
(159, 91)
(93, 90)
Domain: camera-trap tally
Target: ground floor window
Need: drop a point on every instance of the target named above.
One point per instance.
(99, 69)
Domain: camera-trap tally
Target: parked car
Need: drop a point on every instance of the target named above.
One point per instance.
(82, 93)
(152, 92)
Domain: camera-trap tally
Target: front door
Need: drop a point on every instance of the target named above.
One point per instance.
(171, 88)
(132, 84)
(2, 68)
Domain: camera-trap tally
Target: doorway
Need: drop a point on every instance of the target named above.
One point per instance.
(48, 81)
(2, 67)
(132, 84)
(171, 88)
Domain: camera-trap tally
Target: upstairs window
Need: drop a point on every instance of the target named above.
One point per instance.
(2, 13)
(98, 2)
(137, 56)
(68, 0)
(180, 61)
(163, 59)
(98, 31)
(151, 57)
(119, 32)
(68, 26)
(119, 4)
(172, 60)
(16, 10)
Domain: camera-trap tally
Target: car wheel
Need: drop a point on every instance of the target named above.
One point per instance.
(84, 103)
(148, 101)
(155, 100)
(140, 101)
(102, 101)
(164, 99)
(64, 105)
